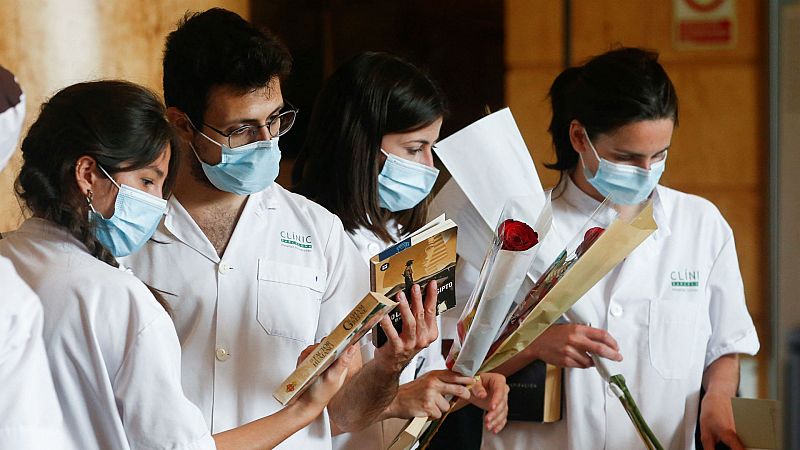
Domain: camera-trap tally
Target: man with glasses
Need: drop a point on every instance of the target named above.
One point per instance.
(254, 274)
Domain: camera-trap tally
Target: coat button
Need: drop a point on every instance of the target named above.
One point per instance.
(224, 268)
(616, 310)
(373, 248)
(222, 354)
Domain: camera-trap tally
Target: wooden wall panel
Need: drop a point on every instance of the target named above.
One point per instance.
(51, 44)
(720, 140)
(597, 25)
(526, 91)
(534, 33)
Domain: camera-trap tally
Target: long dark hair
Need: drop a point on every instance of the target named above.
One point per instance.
(619, 87)
(371, 95)
(121, 125)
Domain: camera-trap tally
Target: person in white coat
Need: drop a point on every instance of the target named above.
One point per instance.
(30, 416)
(672, 317)
(254, 273)
(368, 159)
(96, 164)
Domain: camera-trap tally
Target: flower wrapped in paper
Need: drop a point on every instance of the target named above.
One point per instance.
(578, 267)
(503, 271)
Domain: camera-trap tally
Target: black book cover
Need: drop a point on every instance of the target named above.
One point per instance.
(530, 389)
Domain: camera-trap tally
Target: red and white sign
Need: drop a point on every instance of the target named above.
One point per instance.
(707, 24)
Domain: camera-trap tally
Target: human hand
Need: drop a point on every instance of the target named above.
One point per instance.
(419, 329)
(568, 345)
(428, 395)
(716, 422)
(329, 382)
(490, 393)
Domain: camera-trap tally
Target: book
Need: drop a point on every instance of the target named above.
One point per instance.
(368, 312)
(410, 434)
(427, 254)
(535, 393)
(757, 422)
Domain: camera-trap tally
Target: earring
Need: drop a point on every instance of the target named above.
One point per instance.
(89, 196)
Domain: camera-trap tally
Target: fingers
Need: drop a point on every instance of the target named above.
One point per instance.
(416, 302)
(431, 299)
(448, 376)
(409, 324)
(455, 390)
(388, 329)
(478, 389)
(442, 404)
(732, 440)
(577, 359)
(603, 350)
(708, 441)
(599, 335)
(600, 342)
(304, 354)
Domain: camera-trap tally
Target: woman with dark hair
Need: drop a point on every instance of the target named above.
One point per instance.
(674, 308)
(97, 163)
(368, 159)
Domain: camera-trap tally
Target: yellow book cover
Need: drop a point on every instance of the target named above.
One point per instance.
(353, 327)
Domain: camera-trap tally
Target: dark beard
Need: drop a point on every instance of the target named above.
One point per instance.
(196, 169)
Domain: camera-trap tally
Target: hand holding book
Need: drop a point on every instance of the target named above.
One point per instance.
(321, 391)
(418, 331)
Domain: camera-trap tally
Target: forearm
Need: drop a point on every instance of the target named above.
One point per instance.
(268, 432)
(364, 399)
(722, 376)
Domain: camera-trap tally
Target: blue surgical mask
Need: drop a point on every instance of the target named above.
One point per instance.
(402, 184)
(136, 216)
(244, 170)
(625, 184)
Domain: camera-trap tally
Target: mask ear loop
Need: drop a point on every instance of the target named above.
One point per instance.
(591, 146)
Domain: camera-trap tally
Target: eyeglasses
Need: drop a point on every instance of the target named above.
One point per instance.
(247, 134)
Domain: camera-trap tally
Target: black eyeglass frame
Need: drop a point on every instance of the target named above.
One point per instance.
(241, 129)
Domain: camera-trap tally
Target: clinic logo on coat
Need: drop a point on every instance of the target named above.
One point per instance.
(684, 279)
(296, 240)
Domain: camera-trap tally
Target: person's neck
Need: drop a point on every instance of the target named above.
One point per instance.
(195, 194)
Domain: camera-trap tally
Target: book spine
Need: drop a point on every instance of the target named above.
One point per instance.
(327, 350)
(395, 249)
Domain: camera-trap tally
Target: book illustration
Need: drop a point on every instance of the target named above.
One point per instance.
(425, 256)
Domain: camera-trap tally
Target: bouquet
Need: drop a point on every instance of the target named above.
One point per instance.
(510, 254)
(594, 252)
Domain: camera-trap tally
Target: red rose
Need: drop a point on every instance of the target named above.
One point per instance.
(589, 237)
(517, 236)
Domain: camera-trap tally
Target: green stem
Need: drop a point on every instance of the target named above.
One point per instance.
(635, 415)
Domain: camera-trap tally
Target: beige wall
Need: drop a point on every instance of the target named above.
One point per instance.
(720, 149)
(51, 44)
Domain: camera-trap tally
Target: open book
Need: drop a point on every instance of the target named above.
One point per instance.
(427, 254)
(353, 327)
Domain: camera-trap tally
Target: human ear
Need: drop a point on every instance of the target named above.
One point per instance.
(180, 122)
(577, 137)
(86, 174)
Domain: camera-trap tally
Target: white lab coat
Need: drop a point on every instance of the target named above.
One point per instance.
(675, 305)
(288, 276)
(30, 416)
(380, 435)
(112, 349)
